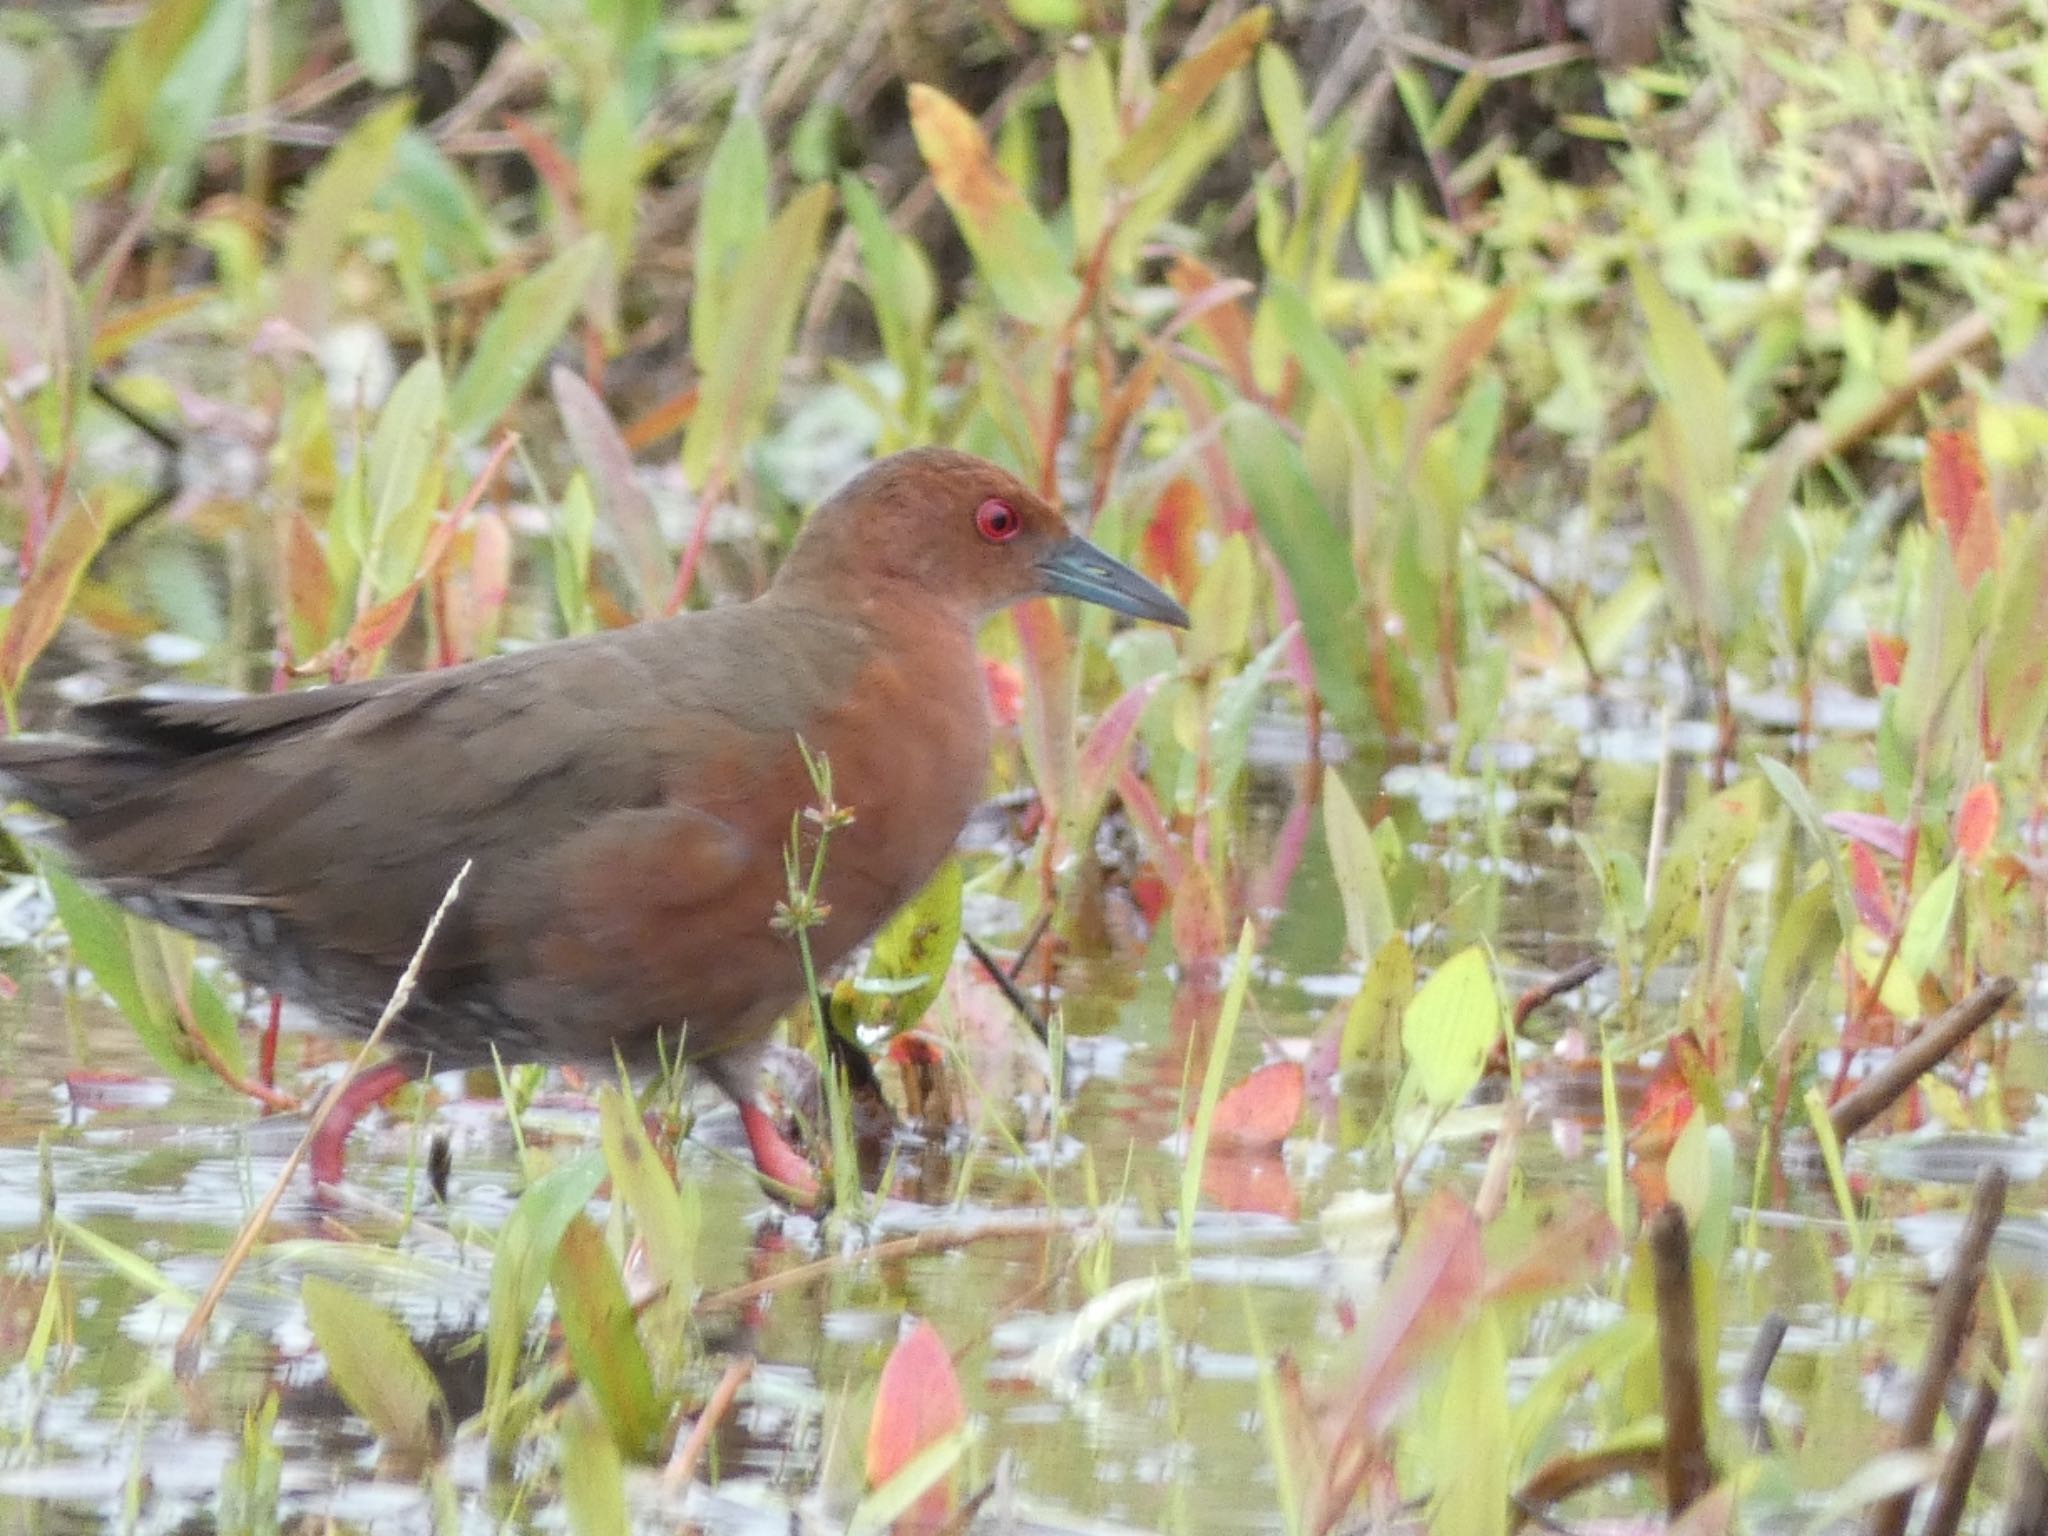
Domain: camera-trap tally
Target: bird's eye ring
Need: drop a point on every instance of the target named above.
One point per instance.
(997, 521)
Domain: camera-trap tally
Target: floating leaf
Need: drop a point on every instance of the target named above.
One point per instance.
(917, 1405)
(1451, 1027)
(376, 1368)
(1025, 268)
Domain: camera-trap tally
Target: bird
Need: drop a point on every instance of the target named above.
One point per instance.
(624, 801)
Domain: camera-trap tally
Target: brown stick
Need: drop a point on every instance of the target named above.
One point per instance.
(1756, 1370)
(1951, 1325)
(935, 1240)
(1940, 1035)
(1688, 1469)
(1959, 1470)
(683, 1465)
(1570, 979)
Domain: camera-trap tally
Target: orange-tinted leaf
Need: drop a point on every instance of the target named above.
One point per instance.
(1977, 821)
(67, 549)
(309, 584)
(1569, 1249)
(1887, 658)
(917, 1404)
(1221, 320)
(1261, 1110)
(1025, 268)
(1959, 500)
(1187, 86)
(662, 419)
(1169, 542)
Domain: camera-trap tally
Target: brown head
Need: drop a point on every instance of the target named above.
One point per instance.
(965, 532)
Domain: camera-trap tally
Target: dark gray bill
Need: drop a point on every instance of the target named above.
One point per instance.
(1076, 568)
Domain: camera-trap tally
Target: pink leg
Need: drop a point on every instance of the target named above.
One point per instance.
(775, 1157)
(330, 1142)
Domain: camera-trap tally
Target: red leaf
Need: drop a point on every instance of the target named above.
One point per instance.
(1977, 821)
(1879, 832)
(1873, 897)
(917, 1404)
(1261, 1110)
(1252, 1183)
(1667, 1102)
(1887, 658)
(1005, 691)
(1959, 498)
(1435, 1286)
(1169, 542)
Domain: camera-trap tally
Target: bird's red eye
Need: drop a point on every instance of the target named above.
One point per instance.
(997, 521)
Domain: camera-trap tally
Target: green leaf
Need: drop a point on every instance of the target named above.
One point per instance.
(1027, 272)
(1801, 955)
(1928, 924)
(1717, 833)
(665, 1215)
(1220, 613)
(1451, 1026)
(1182, 93)
(1372, 1027)
(348, 177)
(521, 332)
(134, 72)
(380, 33)
(1473, 1433)
(1212, 1085)
(1280, 98)
(1312, 550)
(190, 97)
(570, 535)
(376, 1367)
(1087, 98)
(402, 482)
(736, 392)
(1361, 883)
(593, 1477)
(911, 955)
(519, 1273)
(730, 221)
(597, 1325)
(1807, 814)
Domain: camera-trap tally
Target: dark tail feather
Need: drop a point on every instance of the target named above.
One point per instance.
(74, 779)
